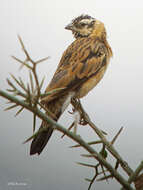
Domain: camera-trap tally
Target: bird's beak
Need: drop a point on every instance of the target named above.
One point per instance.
(69, 27)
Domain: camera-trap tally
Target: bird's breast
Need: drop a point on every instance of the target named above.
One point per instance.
(87, 86)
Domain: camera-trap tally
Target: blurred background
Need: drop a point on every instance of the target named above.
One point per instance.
(115, 102)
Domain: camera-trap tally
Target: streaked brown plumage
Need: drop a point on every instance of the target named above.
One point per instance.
(82, 66)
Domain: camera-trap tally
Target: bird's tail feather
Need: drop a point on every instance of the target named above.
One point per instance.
(40, 141)
(57, 107)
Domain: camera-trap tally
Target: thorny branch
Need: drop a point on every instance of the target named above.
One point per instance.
(73, 136)
(31, 92)
(84, 117)
(29, 98)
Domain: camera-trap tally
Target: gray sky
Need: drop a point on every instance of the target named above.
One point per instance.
(115, 102)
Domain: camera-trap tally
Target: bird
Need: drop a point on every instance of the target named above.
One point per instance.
(80, 69)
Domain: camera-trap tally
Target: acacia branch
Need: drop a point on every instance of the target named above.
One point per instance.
(109, 145)
(70, 134)
(136, 173)
(136, 177)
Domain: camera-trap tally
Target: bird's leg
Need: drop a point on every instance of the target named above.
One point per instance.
(76, 120)
(78, 107)
(79, 115)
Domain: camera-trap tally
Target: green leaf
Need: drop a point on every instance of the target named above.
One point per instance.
(104, 153)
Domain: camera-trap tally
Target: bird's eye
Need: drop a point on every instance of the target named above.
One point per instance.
(82, 24)
(91, 24)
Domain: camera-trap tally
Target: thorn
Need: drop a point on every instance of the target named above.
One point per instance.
(71, 126)
(88, 155)
(19, 111)
(84, 164)
(42, 60)
(10, 107)
(116, 136)
(104, 178)
(87, 179)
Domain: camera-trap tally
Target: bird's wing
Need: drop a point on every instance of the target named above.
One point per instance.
(82, 59)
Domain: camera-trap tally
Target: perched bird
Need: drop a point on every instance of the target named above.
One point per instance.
(81, 67)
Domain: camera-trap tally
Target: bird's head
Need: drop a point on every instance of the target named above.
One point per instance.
(85, 25)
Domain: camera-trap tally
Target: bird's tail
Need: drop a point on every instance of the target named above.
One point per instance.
(40, 141)
(57, 107)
